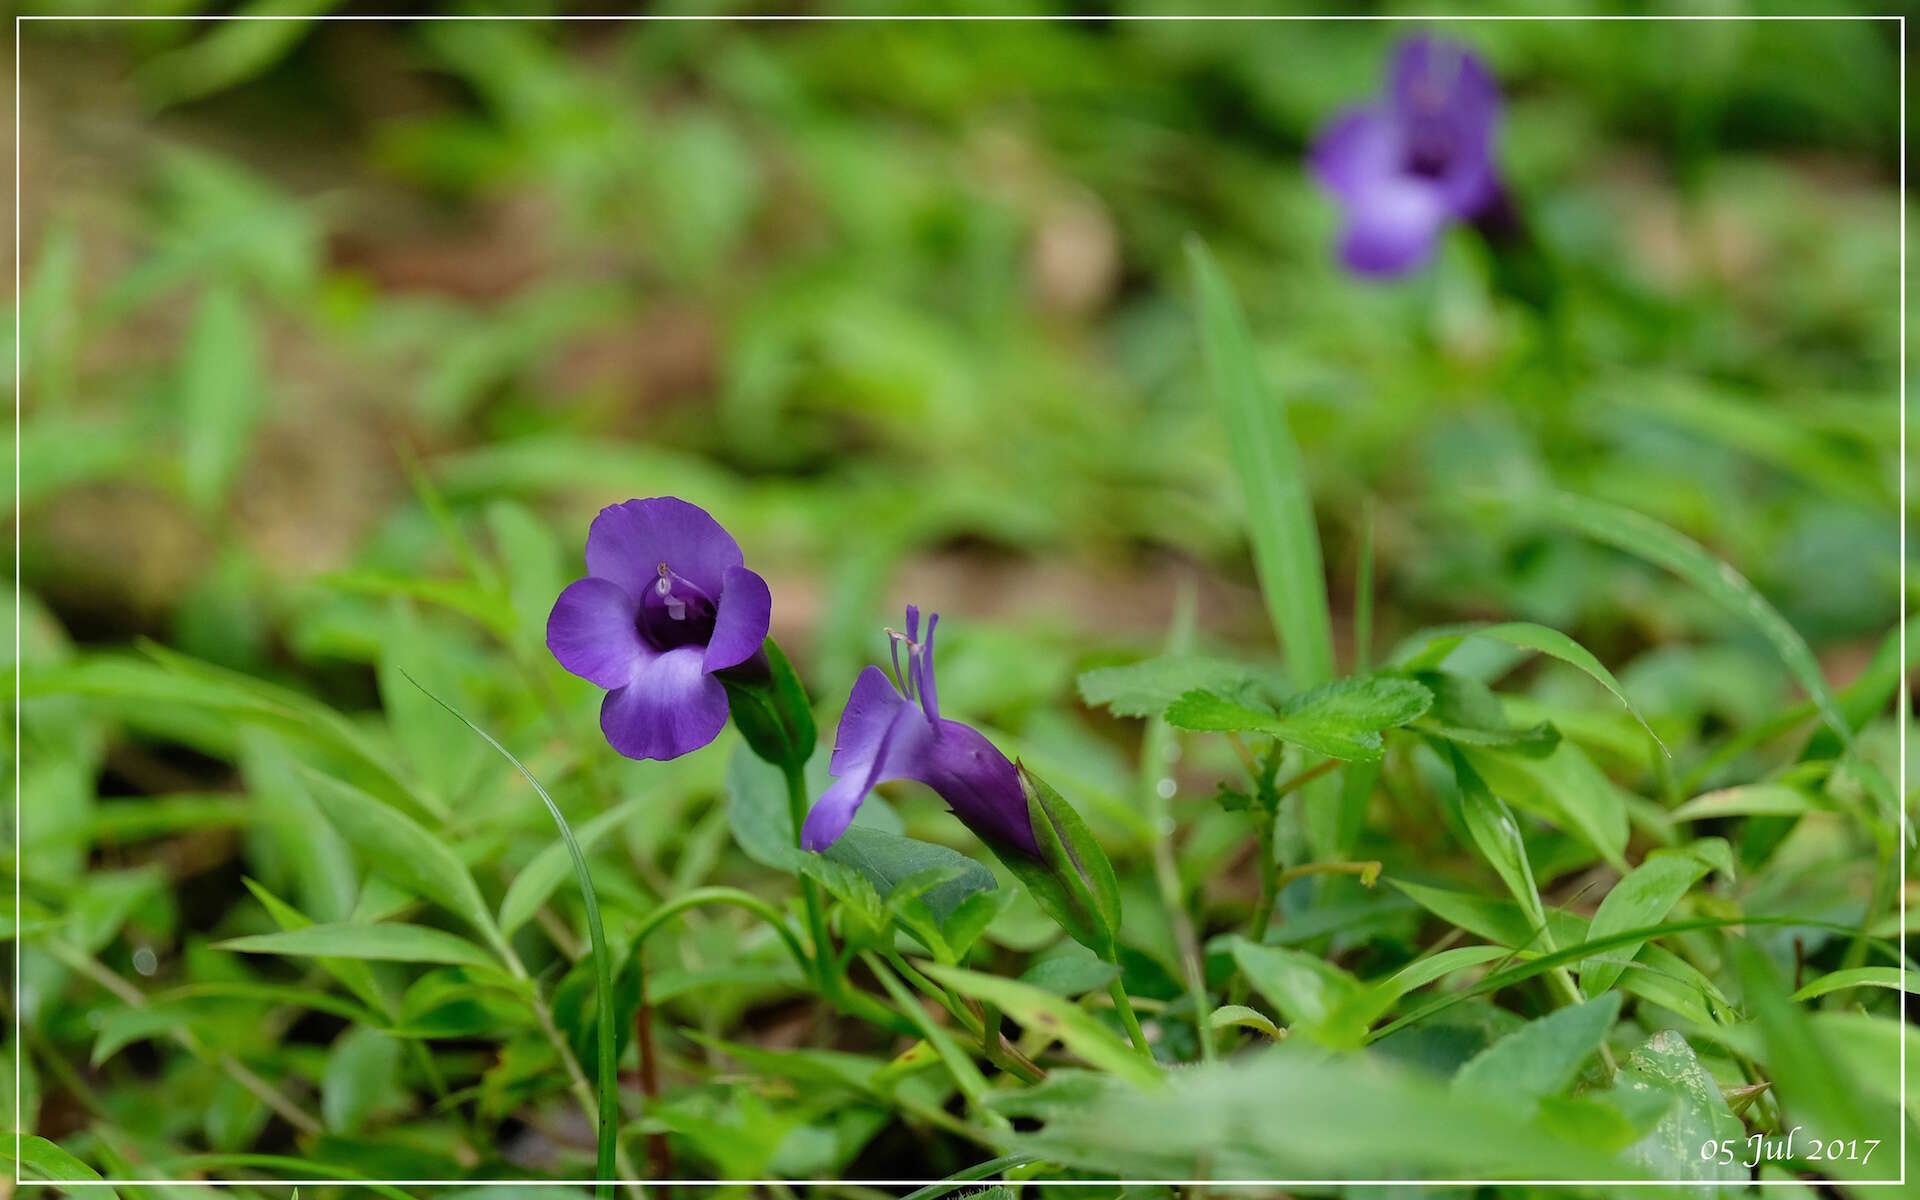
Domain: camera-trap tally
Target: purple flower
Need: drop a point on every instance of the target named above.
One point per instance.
(665, 604)
(1415, 160)
(892, 733)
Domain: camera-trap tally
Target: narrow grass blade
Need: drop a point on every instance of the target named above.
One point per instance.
(1286, 543)
(1646, 538)
(606, 1076)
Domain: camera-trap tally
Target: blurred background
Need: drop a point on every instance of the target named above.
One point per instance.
(320, 315)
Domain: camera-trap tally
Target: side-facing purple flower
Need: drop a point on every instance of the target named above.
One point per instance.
(896, 732)
(1414, 160)
(666, 603)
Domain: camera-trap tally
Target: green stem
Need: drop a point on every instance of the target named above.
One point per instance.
(1129, 1019)
(826, 966)
(1263, 828)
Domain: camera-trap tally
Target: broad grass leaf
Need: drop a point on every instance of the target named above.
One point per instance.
(1341, 720)
(1541, 1057)
(1286, 542)
(1698, 1114)
(1808, 1080)
(1566, 789)
(533, 567)
(320, 860)
(1528, 636)
(1228, 1016)
(362, 1073)
(401, 849)
(1644, 896)
(40, 1160)
(544, 872)
(1041, 1011)
(1344, 1117)
(1751, 800)
(1146, 688)
(1879, 977)
(1497, 836)
(221, 395)
(1496, 920)
(385, 942)
(1311, 995)
(1646, 538)
(353, 974)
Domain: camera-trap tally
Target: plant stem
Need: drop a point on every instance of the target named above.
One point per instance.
(1157, 747)
(825, 966)
(1127, 1018)
(1263, 827)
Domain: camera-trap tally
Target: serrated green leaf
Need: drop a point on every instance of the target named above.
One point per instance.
(1342, 720)
(1146, 688)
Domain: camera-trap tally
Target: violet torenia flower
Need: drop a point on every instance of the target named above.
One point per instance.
(1415, 160)
(893, 730)
(666, 603)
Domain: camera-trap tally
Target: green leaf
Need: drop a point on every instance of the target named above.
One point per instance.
(1340, 720)
(1648, 539)
(363, 1069)
(771, 710)
(543, 873)
(386, 941)
(1070, 974)
(403, 851)
(1540, 1058)
(1808, 1079)
(1880, 977)
(1042, 1012)
(887, 860)
(221, 395)
(1527, 636)
(1146, 688)
(1286, 542)
(1497, 835)
(1072, 881)
(321, 861)
(1230, 1015)
(1565, 788)
(1644, 896)
(41, 1160)
(1311, 995)
(1752, 800)
(1697, 1115)
(1467, 713)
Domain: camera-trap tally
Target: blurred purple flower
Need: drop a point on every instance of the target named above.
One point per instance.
(1415, 160)
(666, 603)
(885, 735)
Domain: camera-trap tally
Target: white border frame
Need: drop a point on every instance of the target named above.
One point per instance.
(19, 255)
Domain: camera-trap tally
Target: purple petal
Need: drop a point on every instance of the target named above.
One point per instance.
(883, 737)
(1360, 149)
(740, 624)
(1392, 227)
(629, 541)
(669, 707)
(875, 718)
(1434, 79)
(978, 783)
(591, 632)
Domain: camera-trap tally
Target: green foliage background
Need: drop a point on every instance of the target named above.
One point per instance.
(334, 337)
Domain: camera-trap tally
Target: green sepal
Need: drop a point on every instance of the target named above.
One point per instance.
(1072, 881)
(770, 709)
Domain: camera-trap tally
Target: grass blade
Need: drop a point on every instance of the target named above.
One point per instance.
(1646, 538)
(1286, 543)
(606, 1078)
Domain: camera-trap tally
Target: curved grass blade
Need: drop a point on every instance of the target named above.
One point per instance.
(605, 1071)
(978, 1171)
(1646, 538)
